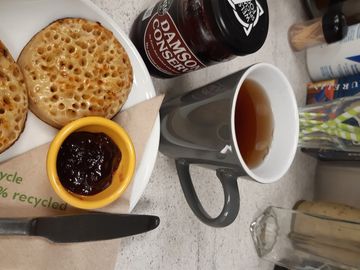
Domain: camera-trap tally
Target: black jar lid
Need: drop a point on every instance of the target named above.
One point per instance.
(334, 26)
(243, 24)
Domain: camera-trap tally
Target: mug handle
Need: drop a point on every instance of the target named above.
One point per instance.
(231, 195)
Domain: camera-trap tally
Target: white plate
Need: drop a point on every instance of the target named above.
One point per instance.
(20, 20)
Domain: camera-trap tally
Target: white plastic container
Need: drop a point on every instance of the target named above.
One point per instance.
(337, 59)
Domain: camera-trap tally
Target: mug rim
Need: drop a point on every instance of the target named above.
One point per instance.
(292, 99)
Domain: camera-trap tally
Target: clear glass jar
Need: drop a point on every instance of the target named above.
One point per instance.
(317, 235)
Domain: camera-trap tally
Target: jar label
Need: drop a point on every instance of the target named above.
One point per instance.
(165, 47)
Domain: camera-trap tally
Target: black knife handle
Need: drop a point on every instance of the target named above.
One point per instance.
(278, 267)
(15, 226)
(92, 226)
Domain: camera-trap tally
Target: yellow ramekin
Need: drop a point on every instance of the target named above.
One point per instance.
(122, 175)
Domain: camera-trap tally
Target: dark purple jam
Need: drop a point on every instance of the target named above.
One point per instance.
(87, 161)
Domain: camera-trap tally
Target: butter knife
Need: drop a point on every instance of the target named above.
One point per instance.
(93, 226)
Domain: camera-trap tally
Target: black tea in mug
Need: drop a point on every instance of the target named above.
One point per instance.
(254, 123)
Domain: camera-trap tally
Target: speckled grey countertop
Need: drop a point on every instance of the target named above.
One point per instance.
(182, 241)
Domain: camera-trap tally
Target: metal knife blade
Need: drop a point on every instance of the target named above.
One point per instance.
(85, 227)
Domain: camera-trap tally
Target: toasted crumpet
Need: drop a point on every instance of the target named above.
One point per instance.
(13, 100)
(75, 68)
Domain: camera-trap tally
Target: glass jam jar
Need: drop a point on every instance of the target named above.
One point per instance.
(179, 36)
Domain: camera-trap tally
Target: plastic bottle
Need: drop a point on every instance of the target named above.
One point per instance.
(335, 60)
